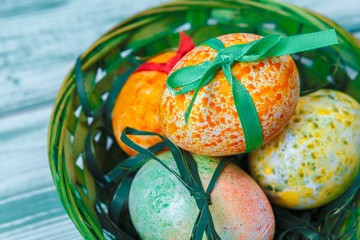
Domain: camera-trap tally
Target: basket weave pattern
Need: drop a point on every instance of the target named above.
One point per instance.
(146, 34)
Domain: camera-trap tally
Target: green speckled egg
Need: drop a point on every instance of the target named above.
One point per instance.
(162, 208)
(316, 157)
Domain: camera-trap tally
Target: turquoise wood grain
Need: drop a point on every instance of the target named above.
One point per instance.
(40, 39)
(29, 204)
(39, 42)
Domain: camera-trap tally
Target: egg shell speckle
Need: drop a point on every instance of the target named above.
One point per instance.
(137, 105)
(317, 155)
(214, 127)
(162, 208)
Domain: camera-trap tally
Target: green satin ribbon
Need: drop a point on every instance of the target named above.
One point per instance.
(189, 177)
(196, 76)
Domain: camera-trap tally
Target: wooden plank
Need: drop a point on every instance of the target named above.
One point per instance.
(29, 204)
(40, 39)
(39, 44)
(23, 151)
(38, 215)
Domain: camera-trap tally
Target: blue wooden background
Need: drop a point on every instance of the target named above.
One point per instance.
(39, 41)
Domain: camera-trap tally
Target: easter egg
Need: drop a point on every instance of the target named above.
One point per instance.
(214, 127)
(137, 105)
(317, 155)
(162, 208)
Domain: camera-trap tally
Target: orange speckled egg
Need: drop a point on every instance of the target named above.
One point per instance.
(214, 127)
(162, 208)
(137, 105)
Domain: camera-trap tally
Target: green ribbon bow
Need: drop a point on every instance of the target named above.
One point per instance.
(189, 177)
(196, 76)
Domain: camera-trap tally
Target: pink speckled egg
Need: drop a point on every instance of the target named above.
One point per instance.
(162, 208)
(214, 127)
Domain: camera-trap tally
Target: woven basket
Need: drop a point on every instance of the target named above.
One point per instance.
(83, 107)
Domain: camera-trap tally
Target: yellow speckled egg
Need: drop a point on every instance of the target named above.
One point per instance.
(317, 155)
(137, 105)
(214, 128)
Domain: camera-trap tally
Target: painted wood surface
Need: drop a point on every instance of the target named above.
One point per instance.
(41, 38)
(29, 204)
(39, 41)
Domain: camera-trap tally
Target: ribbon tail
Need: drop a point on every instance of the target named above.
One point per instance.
(223, 162)
(196, 225)
(210, 230)
(186, 44)
(151, 66)
(186, 88)
(173, 148)
(203, 219)
(208, 74)
(303, 42)
(188, 110)
(248, 116)
(246, 110)
(204, 224)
